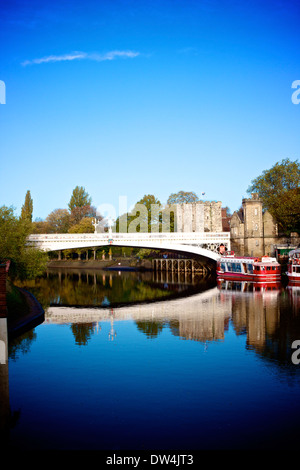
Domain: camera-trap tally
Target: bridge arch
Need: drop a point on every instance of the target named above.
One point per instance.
(203, 245)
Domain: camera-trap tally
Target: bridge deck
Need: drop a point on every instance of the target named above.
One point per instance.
(200, 243)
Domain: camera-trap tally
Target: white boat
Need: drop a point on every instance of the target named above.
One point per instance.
(293, 267)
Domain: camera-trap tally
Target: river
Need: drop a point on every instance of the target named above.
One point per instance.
(127, 360)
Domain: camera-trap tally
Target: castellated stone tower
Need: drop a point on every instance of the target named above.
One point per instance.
(202, 216)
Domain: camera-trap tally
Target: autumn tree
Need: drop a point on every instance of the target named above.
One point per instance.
(58, 221)
(27, 208)
(279, 189)
(80, 212)
(40, 226)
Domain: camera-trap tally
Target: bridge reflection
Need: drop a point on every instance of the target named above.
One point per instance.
(266, 316)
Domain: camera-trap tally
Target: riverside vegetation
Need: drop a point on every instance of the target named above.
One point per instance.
(278, 187)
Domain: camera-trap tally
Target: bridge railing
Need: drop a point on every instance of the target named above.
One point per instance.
(187, 237)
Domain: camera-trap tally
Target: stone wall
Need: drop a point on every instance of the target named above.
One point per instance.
(202, 216)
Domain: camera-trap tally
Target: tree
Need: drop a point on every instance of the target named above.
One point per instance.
(145, 214)
(279, 189)
(27, 208)
(26, 262)
(182, 197)
(79, 198)
(80, 212)
(58, 221)
(40, 226)
(84, 226)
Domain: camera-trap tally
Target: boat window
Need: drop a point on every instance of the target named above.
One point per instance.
(250, 268)
(268, 268)
(229, 267)
(223, 266)
(236, 267)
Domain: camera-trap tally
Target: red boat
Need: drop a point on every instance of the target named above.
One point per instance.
(293, 267)
(248, 268)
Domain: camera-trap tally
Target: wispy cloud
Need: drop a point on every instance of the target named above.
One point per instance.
(112, 55)
(188, 51)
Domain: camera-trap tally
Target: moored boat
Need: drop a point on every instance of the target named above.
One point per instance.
(293, 267)
(257, 269)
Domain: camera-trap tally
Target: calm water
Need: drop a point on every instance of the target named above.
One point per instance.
(139, 361)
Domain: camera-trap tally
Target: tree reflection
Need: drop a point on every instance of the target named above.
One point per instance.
(21, 344)
(82, 332)
(150, 328)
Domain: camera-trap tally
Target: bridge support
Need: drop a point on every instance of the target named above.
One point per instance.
(180, 265)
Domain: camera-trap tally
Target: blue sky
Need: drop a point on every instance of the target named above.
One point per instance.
(128, 97)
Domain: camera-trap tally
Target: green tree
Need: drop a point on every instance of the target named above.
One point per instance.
(27, 208)
(279, 189)
(84, 226)
(182, 197)
(79, 198)
(26, 262)
(145, 214)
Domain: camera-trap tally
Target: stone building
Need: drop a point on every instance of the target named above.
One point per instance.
(252, 231)
(201, 216)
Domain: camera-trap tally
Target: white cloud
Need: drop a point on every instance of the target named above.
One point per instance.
(112, 55)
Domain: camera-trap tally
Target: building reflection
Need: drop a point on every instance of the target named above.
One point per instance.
(255, 309)
(200, 317)
(267, 315)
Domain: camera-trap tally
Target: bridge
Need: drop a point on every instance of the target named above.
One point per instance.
(203, 244)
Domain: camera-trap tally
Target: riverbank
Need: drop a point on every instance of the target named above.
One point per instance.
(23, 310)
(119, 264)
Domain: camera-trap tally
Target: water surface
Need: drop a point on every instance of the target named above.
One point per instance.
(136, 361)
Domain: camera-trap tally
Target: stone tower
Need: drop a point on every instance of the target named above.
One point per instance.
(253, 226)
